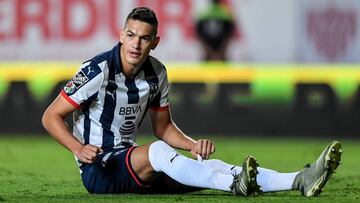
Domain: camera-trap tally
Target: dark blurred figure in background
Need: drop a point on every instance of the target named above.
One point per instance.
(215, 27)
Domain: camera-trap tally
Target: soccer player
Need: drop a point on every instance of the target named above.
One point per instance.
(109, 97)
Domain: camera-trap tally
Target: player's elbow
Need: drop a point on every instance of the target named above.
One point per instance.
(162, 131)
(45, 119)
(48, 119)
(158, 133)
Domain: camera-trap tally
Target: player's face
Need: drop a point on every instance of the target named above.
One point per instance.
(137, 40)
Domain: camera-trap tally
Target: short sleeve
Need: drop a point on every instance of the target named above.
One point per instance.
(85, 83)
(161, 101)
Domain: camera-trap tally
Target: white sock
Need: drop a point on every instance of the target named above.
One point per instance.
(272, 181)
(221, 166)
(269, 180)
(187, 171)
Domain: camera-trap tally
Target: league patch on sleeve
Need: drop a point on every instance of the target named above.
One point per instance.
(70, 87)
(80, 79)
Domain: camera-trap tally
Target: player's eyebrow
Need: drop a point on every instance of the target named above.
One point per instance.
(141, 36)
(131, 32)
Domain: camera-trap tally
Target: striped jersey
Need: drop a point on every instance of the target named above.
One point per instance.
(110, 106)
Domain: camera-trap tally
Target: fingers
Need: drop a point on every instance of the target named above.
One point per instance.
(87, 153)
(205, 148)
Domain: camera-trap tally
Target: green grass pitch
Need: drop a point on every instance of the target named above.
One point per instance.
(37, 169)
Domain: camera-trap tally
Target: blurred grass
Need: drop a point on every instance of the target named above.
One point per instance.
(37, 169)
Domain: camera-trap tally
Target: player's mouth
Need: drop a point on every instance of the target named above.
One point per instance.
(134, 54)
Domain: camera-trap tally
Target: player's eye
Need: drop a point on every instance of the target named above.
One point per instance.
(146, 39)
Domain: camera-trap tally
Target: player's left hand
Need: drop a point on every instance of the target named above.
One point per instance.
(204, 148)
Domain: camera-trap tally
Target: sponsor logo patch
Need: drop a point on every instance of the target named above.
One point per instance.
(119, 152)
(130, 110)
(88, 70)
(127, 128)
(70, 87)
(80, 79)
(111, 93)
(172, 159)
(105, 158)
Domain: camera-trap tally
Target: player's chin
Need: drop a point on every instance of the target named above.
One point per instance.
(135, 60)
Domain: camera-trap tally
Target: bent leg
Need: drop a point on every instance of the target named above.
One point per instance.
(148, 160)
(140, 163)
(159, 181)
(166, 185)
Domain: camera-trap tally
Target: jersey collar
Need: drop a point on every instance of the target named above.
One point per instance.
(116, 51)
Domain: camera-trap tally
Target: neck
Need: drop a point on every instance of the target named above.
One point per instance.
(129, 70)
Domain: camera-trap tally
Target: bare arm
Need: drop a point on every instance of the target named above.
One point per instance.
(166, 130)
(54, 122)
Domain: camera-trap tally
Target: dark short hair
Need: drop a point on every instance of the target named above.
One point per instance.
(144, 14)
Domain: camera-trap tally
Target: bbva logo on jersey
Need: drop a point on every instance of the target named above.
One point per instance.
(130, 110)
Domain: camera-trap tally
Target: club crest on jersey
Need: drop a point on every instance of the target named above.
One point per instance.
(70, 87)
(153, 90)
(80, 79)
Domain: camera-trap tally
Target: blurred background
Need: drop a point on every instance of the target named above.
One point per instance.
(237, 67)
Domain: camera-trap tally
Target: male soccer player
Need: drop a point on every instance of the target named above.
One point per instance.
(109, 97)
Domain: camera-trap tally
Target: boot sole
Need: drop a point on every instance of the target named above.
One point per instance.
(251, 173)
(332, 161)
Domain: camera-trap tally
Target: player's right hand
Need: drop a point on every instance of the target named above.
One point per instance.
(87, 153)
(203, 148)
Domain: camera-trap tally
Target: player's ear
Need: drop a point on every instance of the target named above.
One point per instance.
(121, 36)
(155, 43)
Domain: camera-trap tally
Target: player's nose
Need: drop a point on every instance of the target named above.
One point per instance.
(136, 43)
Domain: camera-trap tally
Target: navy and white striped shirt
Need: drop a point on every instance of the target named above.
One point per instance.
(110, 106)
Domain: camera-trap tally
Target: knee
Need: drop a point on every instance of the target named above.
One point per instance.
(157, 148)
(160, 152)
(140, 158)
(157, 145)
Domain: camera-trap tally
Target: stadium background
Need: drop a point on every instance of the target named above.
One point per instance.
(293, 66)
